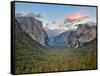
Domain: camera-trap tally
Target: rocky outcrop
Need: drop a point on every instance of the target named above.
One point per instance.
(73, 38)
(83, 34)
(88, 36)
(34, 28)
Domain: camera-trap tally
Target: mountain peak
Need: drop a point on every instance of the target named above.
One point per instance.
(34, 28)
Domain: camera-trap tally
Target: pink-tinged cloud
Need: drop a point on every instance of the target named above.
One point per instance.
(76, 16)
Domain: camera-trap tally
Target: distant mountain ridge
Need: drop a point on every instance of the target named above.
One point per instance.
(83, 34)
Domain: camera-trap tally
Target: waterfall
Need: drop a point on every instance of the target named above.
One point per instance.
(77, 44)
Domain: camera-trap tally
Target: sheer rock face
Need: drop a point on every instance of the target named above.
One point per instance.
(83, 34)
(72, 38)
(88, 36)
(34, 28)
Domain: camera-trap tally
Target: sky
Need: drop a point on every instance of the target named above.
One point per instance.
(57, 13)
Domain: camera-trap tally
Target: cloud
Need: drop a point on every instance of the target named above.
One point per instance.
(78, 16)
(38, 15)
(18, 15)
(32, 14)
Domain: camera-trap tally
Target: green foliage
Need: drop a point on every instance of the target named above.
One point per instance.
(31, 57)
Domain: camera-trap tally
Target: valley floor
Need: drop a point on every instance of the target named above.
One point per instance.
(57, 59)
